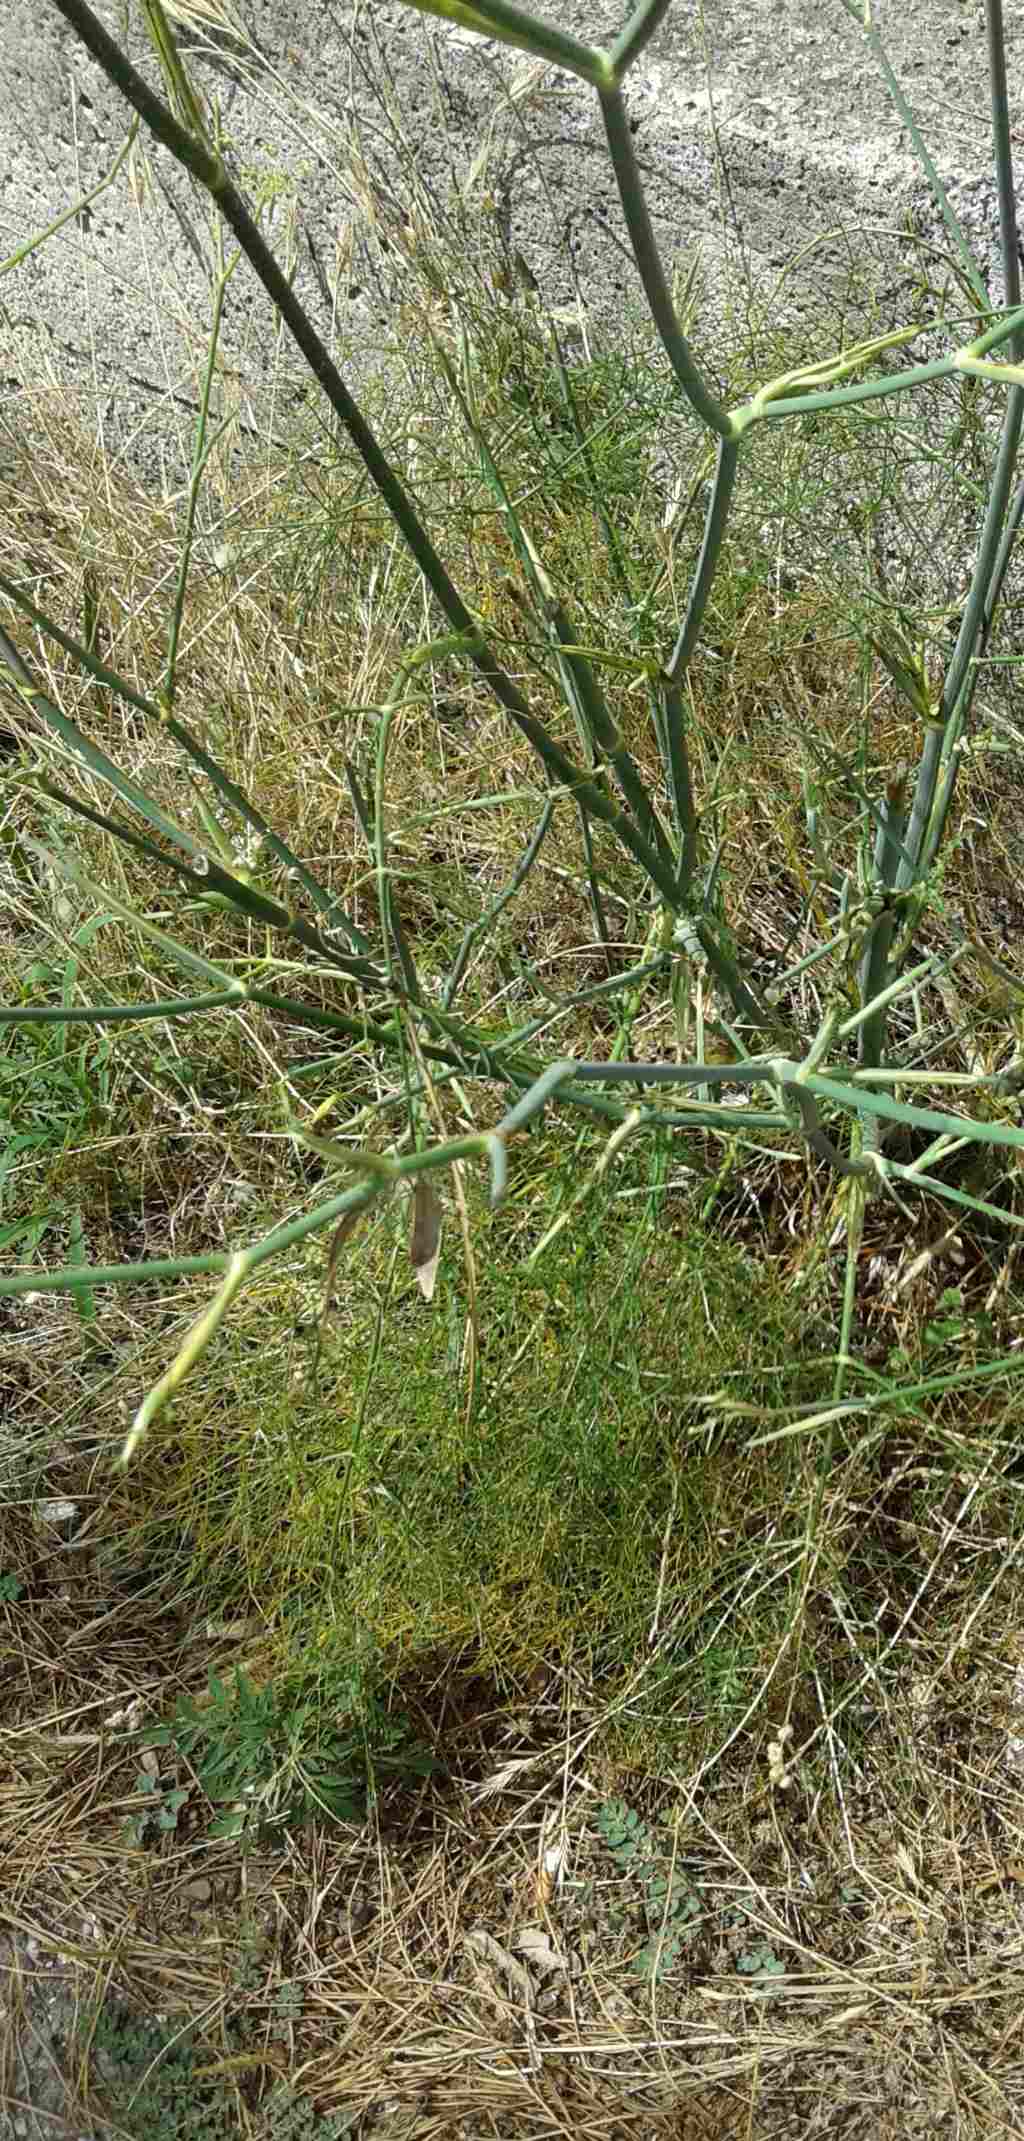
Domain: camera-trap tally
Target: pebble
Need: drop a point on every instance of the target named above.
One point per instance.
(198, 1891)
(59, 1513)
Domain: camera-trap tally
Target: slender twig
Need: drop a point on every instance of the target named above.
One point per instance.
(204, 446)
(187, 741)
(874, 967)
(481, 928)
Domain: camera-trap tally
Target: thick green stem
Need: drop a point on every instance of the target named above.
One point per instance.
(581, 684)
(1000, 525)
(672, 737)
(596, 728)
(652, 274)
(638, 31)
(959, 684)
(116, 1014)
(714, 533)
(513, 26)
(921, 808)
(990, 562)
(1003, 156)
(776, 1071)
(816, 400)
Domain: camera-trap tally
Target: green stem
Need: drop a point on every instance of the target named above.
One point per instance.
(859, 13)
(672, 737)
(791, 403)
(98, 762)
(513, 26)
(999, 527)
(990, 560)
(70, 215)
(471, 1056)
(960, 679)
(581, 690)
(213, 879)
(921, 808)
(200, 456)
(874, 966)
(481, 928)
(239, 1267)
(114, 1014)
(652, 274)
(1003, 158)
(580, 684)
(638, 31)
(777, 1071)
(714, 533)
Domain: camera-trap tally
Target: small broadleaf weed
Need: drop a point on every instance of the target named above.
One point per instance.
(671, 1904)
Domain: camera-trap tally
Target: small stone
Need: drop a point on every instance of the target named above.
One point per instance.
(198, 1891)
(59, 1513)
(239, 1194)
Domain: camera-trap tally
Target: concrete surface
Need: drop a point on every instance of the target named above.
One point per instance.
(114, 306)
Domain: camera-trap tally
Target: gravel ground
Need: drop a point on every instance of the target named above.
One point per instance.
(38, 2017)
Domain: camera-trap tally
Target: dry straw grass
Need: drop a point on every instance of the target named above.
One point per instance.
(885, 1879)
(450, 1984)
